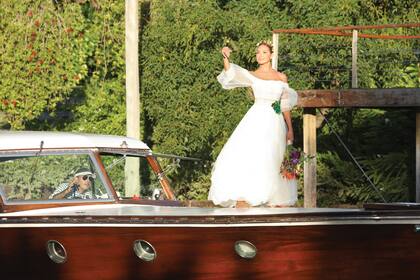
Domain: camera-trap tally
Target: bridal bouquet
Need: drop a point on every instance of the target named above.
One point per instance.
(292, 165)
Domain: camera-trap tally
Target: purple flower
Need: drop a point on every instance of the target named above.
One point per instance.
(295, 154)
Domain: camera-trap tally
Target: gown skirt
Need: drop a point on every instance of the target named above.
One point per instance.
(248, 166)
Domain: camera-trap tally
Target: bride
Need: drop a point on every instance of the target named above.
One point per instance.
(247, 170)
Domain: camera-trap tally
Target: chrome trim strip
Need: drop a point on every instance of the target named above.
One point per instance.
(284, 224)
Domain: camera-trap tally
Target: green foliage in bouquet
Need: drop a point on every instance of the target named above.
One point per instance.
(276, 106)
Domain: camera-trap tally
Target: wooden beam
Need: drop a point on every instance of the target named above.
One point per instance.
(309, 148)
(348, 34)
(349, 27)
(341, 31)
(362, 98)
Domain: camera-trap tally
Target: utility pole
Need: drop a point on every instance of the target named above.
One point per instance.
(132, 165)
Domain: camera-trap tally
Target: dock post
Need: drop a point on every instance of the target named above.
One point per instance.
(417, 156)
(309, 148)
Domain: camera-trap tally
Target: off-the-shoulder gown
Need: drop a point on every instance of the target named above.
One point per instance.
(248, 167)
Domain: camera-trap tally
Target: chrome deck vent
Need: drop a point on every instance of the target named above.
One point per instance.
(56, 251)
(245, 249)
(144, 250)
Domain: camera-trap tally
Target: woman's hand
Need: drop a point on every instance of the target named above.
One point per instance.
(290, 136)
(226, 52)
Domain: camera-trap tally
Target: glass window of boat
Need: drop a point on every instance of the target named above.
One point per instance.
(40, 177)
(117, 168)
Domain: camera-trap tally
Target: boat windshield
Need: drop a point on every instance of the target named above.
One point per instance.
(49, 176)
(146, 184)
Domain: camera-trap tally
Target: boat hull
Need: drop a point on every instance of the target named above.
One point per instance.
(366, 251)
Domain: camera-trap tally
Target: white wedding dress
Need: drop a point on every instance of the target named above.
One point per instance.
(248, 167)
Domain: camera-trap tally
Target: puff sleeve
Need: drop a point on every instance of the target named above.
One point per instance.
(288, 98)
(234, 77)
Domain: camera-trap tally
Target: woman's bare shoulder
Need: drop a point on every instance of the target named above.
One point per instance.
(272, 75)
(281, 76)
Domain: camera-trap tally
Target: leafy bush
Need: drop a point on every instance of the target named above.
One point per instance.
(62, 68)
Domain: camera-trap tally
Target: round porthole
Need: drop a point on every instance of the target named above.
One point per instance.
(56, 251)
(144, 250)
(245, 249)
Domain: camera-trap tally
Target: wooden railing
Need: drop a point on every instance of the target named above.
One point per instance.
(355, 97)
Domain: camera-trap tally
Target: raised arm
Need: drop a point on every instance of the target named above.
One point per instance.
(62, 194)
(232, 76)
(63, 190)
(226, 54)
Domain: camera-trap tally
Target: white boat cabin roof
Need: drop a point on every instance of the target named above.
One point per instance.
(11, 140)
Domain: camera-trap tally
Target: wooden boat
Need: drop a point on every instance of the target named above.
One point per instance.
(108, 237)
